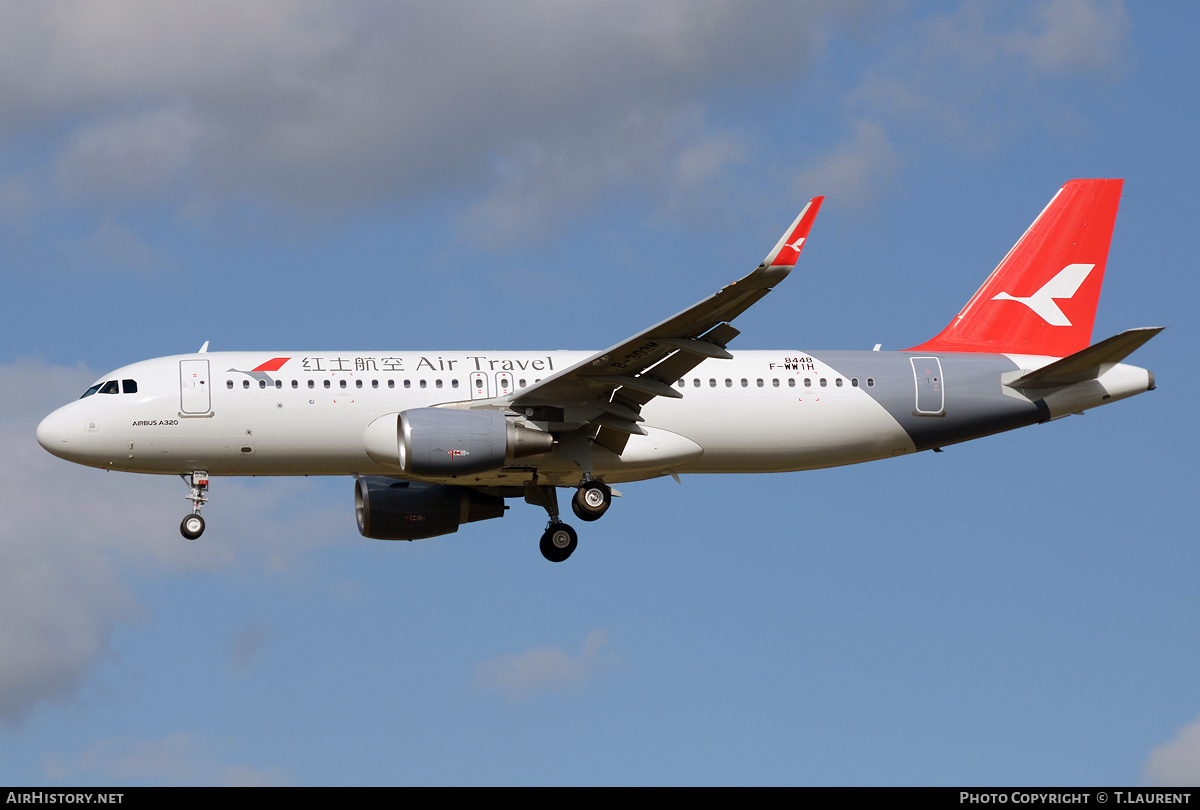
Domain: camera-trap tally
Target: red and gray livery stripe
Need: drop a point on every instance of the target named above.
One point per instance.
(259, 372)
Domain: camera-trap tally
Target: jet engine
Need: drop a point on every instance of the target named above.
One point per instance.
(440, 442)
(388, 509)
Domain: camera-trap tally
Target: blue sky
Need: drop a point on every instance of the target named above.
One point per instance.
(1018, 610)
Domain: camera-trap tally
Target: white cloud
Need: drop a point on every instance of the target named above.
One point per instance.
(856, 169)
(1053, 37)
(542, 669)
(1175, 763)
(58, 608)
(317, 103)
(537, 187)
(130, 155)
(699, 175)
(112, 246)
(246, 647)
(177, 759)
(970, 78)
(73, 537)
(17, 203)
(1073, 36)
(538, 109)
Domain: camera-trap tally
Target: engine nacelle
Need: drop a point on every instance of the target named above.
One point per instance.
(388, 509)
(438, 442)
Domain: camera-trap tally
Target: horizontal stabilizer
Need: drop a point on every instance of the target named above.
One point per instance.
(1087, 364)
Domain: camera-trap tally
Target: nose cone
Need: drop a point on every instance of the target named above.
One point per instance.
(52, 433)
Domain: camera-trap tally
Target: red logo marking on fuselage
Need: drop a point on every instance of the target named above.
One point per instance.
(274, 364)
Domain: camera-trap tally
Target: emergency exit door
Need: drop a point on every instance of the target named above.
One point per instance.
(479, 386)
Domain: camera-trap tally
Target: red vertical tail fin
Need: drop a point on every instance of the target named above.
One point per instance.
(1042, 297)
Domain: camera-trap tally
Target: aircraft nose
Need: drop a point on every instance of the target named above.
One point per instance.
(52, 433)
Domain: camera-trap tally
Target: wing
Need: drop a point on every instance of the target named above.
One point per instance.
(604, 394)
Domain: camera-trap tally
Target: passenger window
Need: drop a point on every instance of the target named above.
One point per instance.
(838, 382)
(522, 383)
(791, 382)
(228, 384)
(262, 383)
(824, 382)
(808, 382)
(422, 383)
(129, 386)
(854, 382)
(311, 384)
(295, 384)
(391, 383)
(374, 383)
(437, 383)
(681, 383)
(745, 383)
(327, 383)
(775, 382)
(342, 384)
(712, 383)
(695, 382)
(278, 384)
(454, 383)
(870, 382)
(111, 387)
(760, 382)
(728, 383)
(245, 383)
(408, 383)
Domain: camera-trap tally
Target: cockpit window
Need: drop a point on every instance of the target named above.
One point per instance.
(129, 386)
(92, 390)
(110, 387)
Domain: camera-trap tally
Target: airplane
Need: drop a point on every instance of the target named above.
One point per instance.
(437, 440)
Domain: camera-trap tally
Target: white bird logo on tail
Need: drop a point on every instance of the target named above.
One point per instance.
(1063, 285)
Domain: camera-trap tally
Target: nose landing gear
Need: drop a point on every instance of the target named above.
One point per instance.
(193, 525)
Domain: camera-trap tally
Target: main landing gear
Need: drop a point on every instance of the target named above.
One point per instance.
(193, 525)
(590, 501)
(558, 541)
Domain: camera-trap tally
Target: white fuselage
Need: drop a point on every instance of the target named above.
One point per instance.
(254, 413)
(308, 416)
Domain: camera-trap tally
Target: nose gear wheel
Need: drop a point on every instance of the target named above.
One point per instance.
(193, 525)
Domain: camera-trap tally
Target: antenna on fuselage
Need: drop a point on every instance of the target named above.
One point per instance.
(203, 348)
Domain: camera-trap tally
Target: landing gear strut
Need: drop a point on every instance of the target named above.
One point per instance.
(591, 500)
(559, 539)
(193, 525)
